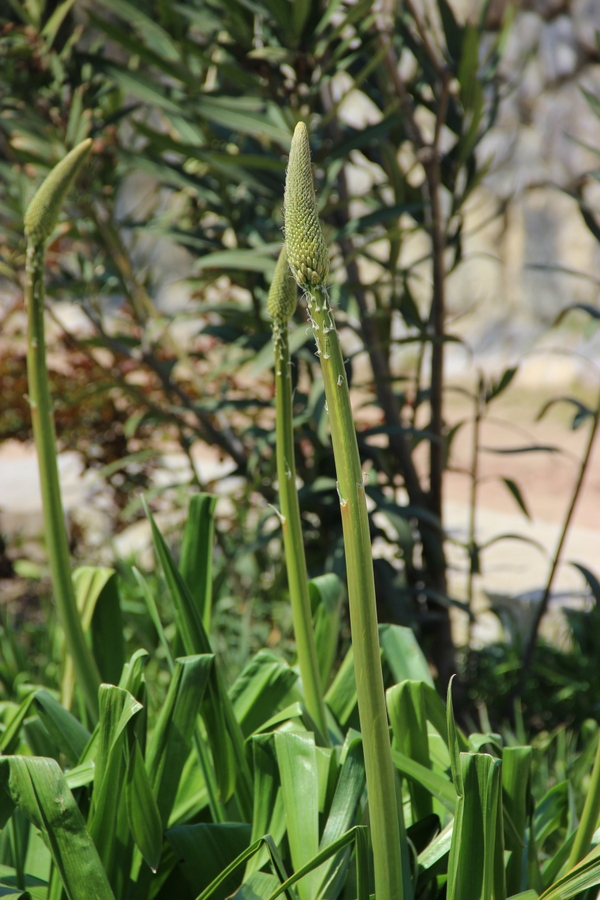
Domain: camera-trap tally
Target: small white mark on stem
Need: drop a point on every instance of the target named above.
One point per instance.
(340, 381)
(343, 501)
(277, 512)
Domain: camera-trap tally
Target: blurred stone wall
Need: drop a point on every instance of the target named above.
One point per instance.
(545, 139)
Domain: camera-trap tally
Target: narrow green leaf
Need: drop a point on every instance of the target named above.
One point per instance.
(262, 688)
(341, 695)
(453, 743)
(97, 599)
(117, 709)
(266, 841)
(516, 790)
(66, 731)
(142, 810)
(10, 739)
(452, 30)
(50, 29)
(38, 787)
(326, 596)
(317, 861)
(269, 815)
(154, 615)
(432, 781)
(297, 762)
(197, 553)
(342, 816)
(516, 492)
(108, 644)
(203, 851)
(583, 876)
(593, 583)
(551, 812)
(258, 260)
(221, 731)
(154, 35)
(257, 886)
(172, 737)
(407, 712)
(496, 388)
(81, 775)
(475, 864)
(403, 654)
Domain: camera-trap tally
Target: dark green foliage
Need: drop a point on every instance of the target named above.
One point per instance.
(207, 120)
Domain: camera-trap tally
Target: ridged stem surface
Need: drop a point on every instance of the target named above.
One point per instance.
(292, 532)
(54, 521)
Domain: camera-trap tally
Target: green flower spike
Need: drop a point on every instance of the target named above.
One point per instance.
(282, 294)
(306, 248)
(307, 254)
(43, 211)
(40, 221)
(281, 305)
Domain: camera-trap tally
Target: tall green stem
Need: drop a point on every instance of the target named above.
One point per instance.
(383, 811)
(293, 540)
(308, 258)
(39, 223)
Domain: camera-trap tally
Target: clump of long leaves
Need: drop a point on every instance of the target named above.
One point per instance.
(237, 791)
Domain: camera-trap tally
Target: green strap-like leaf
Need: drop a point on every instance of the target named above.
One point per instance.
(407, 711)
(298, 772)
(197, 553)
(142, 810)
(204, 850)
(38, 787)
(65, 730)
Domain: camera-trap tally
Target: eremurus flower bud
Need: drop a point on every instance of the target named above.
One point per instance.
(306, 248)
(282, 293)
(43, 211)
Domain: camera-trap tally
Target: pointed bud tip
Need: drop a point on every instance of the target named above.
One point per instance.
(43, 211)
(306, 248)
(300, 131)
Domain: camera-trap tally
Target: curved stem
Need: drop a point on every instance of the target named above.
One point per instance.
(293, 540)
(54, 523)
